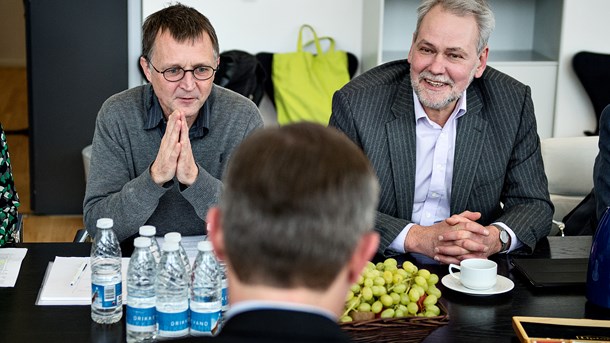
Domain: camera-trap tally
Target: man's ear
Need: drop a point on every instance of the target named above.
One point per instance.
(215, 234)
(364, 252)
(145, 69)
(482, 62)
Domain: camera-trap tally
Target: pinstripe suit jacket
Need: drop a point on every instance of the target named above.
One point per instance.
(497, 152)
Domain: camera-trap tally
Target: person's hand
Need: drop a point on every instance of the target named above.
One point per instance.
(453, 239)
(163, 168)
(186, 171)
(175, 156)
(491, 239)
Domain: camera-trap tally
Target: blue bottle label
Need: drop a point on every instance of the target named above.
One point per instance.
(106, 297)
(225, 295)
(141, 319)
(176, 321)
(204, 322)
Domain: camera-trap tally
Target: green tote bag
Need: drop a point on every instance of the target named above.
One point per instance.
(304, 83)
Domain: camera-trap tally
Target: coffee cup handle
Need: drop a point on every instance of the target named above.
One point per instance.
(451, 267)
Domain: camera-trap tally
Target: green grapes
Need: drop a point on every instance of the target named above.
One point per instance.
(364, 307)
(386, 300)
(389, 290)
(376, 307)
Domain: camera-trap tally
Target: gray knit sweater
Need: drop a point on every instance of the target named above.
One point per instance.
(119, 185)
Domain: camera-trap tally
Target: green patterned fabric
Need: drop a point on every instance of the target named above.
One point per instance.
(9, 200)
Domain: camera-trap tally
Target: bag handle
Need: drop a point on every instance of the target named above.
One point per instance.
(315, 39)
(331, 46)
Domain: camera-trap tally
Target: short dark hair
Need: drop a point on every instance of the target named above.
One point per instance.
(183, 23)
(296, 201)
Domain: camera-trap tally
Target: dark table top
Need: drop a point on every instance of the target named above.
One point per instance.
(472, 318)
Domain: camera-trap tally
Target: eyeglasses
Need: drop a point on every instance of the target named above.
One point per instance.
(175, 74)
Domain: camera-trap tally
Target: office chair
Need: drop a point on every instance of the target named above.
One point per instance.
(19, 226)
(82, 236)
(593, 71)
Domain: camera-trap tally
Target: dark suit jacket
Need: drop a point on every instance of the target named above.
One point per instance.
(601, 176)
(497, 153)
(276, 326)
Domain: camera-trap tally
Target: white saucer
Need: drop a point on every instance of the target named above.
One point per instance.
(503, 284)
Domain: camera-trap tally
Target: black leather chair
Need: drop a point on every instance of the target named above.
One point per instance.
(593, 71)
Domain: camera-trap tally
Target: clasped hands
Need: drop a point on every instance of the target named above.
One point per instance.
(175, 156)
(454, 239)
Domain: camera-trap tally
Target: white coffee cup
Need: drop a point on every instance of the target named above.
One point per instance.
(476, 273)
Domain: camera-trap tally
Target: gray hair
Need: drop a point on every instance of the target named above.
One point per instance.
(295, 203)
(478, 8)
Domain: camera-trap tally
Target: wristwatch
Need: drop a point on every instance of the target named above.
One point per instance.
(504, 238)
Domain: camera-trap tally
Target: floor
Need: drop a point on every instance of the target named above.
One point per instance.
(14, 119)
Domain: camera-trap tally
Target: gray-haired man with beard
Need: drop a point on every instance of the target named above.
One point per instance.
(453, 142)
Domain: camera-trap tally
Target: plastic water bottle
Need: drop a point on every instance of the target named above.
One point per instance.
(205, 292)
(141, 300)
(150, 232)
(177, 237)
(224, 286)
(172, 293)
(106, 287)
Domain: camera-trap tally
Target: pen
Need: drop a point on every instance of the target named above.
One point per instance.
(78, 274)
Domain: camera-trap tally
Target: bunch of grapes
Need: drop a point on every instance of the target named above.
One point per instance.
(385, 290)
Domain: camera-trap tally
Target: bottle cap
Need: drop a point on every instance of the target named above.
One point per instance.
(141, 242)
(170, 246)
(147, 230)
(205, 246)
(173, 237)
(105, 223)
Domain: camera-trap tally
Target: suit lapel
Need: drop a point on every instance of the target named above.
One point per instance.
(401, 141)
(471, 130)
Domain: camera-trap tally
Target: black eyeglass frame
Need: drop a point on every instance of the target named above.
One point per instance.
(184, 71)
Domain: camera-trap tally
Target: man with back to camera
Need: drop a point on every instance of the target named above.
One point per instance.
(159, 150)
(295, 227)
(454, 143)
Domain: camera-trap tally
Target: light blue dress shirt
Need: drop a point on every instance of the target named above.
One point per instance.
(435, 151)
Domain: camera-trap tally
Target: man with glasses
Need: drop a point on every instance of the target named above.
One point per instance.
(159, 150)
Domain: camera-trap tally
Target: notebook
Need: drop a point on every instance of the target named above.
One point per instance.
(548, 272)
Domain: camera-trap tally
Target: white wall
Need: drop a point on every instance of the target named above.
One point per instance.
(273, 26)
(585, 27)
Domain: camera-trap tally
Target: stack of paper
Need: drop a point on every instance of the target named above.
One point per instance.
(10, 263)
(57, 288)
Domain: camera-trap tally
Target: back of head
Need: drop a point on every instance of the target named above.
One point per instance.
(296, 201)
(478, 8)
(183, 23)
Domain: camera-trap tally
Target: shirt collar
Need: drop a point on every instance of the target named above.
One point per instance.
(155, 118)
(460, 108)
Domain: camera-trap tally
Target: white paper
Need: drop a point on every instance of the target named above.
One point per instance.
(10, 264)
(56, 289)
